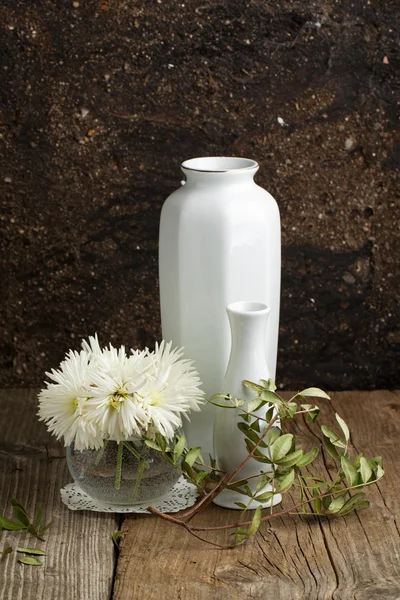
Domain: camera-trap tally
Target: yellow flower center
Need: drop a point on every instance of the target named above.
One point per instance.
(156, 399)
(117, 398)
(75, 403)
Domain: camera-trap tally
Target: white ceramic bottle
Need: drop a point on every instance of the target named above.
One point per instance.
(248, 321)
(219, 243)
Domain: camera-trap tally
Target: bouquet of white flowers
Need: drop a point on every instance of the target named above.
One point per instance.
(102, 394)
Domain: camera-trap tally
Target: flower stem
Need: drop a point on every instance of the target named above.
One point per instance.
(118, 471)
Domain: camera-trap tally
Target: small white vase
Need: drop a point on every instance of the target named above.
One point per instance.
(219, 243)
(248, 322)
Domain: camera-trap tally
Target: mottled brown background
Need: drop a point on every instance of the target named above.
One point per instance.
(100, 101)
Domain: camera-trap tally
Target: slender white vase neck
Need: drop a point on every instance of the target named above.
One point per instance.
(248, 322)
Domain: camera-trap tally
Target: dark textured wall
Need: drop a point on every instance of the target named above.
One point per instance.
(100, 101)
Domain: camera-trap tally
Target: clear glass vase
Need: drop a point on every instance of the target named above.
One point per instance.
(122, 474)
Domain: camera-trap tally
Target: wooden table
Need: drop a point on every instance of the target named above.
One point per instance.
(291, 558)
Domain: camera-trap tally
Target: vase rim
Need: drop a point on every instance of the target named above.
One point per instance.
(220, 164)
(248, 307)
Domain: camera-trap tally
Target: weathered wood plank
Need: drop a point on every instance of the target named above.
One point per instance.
(341, 558)
(80, 561)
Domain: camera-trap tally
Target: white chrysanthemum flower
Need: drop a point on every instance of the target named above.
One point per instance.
(62, 404)
(113, 403)
(172, 388)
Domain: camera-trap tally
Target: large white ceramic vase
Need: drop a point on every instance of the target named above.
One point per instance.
(219, 243)
(248, 322)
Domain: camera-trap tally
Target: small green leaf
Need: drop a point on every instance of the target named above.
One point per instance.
(45, 528)
(10, 525)
(152, 444)
(20, 515)
(192, 456)
(336, 504)
(351, 504)
(255, 522)
(281, 446)
(34, 551)
(350, 472)
(270, 385)
(265, 497)
(316, 506)
(241, 505)
(6, 551)
(273, 435)
(39, 516)
(331, 448)
(30, 560)
(343, 427)
(253, 386)
(307, 458)
(285, 483)
(255, 404)
(290, 459)
(179, 448)
(116, 536)
(365, 470)
(314, 392)
(333, 436)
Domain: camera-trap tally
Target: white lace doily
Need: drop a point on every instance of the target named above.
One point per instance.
(182, 495)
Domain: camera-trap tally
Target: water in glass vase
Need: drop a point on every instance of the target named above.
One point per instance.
(122, 474)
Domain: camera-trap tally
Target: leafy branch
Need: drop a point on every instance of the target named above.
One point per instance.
(284, 467)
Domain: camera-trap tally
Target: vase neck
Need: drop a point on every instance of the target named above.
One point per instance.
(219, 171)
(248, 321)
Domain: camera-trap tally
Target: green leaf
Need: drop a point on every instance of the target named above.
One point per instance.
(270, 396)
(307, 458)
(192, 456)
(336, 504)
(10, 525)
(333, 436)
(285, 483)
(30, 560)
(343, 427)
(290, 459)
(179, 448)
(255, 404)
(316, 506)
(281, 447)
(39, 516)
(265, 497)
(116, 536)
(6, 551)
(313, 392)
(273, 435)
(200, 477)
(20, 515)
(331, 448)
(351, 504)
(34, 551)
(45, 528)
(152, 444)
(270, 385)
(255, 522)
(365, 470)
(379, 472)
(253, 386)
(350, 472)
(241, 505)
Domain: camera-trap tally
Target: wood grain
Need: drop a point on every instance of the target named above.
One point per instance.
(341, 558)
(80, 561)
